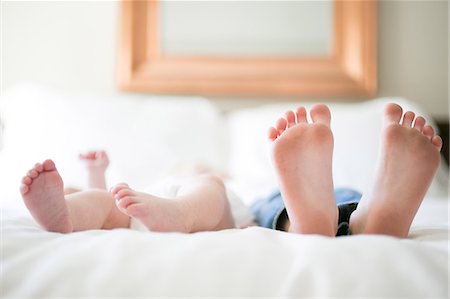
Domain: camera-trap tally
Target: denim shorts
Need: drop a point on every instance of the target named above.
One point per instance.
(271, 213)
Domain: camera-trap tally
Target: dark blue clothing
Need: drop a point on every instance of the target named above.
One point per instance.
(271, 213)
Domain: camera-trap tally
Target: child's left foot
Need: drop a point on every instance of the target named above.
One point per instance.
(408, 161)
(157, 214)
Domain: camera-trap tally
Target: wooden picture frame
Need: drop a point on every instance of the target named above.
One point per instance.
(349, 71)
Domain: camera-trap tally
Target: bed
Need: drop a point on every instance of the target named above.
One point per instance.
(146, 137)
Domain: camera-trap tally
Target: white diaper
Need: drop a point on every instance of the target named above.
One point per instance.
(169, 188)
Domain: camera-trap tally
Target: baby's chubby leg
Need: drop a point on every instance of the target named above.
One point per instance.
(42, 190)
(201, 204)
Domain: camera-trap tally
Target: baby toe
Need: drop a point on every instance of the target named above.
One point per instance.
(33, 173)
(39, 167)
(123, 192)
(26, 180)
(48, 165)
(118, 187)
(24, 189)
(124, 202)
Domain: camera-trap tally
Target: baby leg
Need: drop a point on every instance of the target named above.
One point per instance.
(200, 205)
(42, 190)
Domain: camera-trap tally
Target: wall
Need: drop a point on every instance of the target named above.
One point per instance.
(65, 44)
(73, 45)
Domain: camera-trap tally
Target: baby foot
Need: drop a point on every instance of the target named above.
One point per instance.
(42, 191)
(95, 160)
(302, 157)
(157, 214)
(409, 158)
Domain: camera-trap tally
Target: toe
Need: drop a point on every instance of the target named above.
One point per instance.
(428, 131)
(38, 167)
(48, 165)
(33, 174)
(419, 123)
(290, 117)
(437, 142)
(408, 119)
(119, 187)
(301, 115)
(273, 134)
(123, 192)
(26, 180)
(281, 125)
(124, 202)
(392, 113)
(321, 114)
(24, 189)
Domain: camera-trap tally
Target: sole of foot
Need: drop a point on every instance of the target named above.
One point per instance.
(42, 191)
(409, 158)
(302, 158)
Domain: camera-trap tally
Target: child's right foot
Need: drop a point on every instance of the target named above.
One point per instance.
(408, 161)
(302, 156)
(42, 191)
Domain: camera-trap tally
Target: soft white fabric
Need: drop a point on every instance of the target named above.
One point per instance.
(146, 137)
(252, 262)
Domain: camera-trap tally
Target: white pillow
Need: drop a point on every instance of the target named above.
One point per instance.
(356, 128)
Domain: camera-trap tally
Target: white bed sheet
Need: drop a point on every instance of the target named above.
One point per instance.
(253, 262)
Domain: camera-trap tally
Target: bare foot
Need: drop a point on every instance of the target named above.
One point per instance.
(409, 158)
(302, 156)
(96, 162)
(157, 214)
(42, 190)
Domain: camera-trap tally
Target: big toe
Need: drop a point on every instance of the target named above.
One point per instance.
(321, 114)
(392, 113)
(49, 165)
